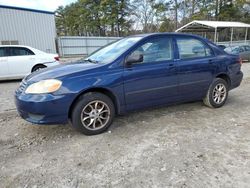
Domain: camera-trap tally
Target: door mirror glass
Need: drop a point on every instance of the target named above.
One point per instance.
(134, 58)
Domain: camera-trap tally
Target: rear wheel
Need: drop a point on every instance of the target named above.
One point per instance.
(93, 113)
(38, 67)
(217, 93)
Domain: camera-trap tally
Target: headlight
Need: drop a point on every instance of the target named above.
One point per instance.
(44, 86)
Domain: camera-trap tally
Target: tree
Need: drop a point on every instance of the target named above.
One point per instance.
(94, 17)
(124, 17)
(167, 26)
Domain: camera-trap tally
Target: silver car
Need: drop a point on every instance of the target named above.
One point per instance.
(243, 51)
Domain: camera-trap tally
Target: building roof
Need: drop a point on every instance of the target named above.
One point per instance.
(26, 9)
(202, 26)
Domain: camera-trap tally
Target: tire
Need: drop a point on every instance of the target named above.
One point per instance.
(38, 67)
(212, 100)
(93, 113)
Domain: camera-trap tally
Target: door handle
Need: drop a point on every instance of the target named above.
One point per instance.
(210, 61)
(171, 66)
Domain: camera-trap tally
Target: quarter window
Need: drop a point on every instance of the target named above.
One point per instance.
(155, 50)
(15, 51)
(192, 48)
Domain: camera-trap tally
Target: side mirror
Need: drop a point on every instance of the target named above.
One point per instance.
(136, 58)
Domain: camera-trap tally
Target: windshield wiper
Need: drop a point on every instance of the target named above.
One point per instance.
(91, 61)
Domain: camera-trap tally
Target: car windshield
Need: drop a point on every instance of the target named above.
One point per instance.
(109, 53)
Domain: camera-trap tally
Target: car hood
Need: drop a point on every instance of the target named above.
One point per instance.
(62, 70)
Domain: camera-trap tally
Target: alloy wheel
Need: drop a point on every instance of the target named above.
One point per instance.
(95, 115)
(219, 93)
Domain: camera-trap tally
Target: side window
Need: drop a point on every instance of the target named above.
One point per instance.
(155, 50)
(16, 51)
(192, 48)
(3, 52)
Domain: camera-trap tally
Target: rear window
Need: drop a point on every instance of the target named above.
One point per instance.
(192, 48)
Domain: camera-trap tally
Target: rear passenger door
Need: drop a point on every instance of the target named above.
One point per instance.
(4, 69)
(196, 67)
(20, 61)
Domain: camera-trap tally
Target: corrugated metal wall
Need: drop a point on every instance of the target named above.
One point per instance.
(80, 46)
(30, 28)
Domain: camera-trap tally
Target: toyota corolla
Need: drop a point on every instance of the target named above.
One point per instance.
(133, 73)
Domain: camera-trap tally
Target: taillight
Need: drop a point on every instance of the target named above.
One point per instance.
(240, 61)
(56, 58)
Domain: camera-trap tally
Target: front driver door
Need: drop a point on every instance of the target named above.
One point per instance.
(153, 81)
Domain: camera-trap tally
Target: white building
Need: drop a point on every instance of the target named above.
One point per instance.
(29, 27)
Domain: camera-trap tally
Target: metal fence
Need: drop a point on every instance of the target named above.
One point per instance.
(234, 43)
(81, 46)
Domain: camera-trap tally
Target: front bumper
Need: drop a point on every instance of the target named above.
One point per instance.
(42, 108)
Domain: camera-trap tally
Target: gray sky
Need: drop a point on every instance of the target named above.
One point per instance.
(49, 5)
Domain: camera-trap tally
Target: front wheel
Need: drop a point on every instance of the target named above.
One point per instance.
(93, 113)
(217, 93)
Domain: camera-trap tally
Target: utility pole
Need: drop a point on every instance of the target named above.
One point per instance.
(176, 14)
(216, 9)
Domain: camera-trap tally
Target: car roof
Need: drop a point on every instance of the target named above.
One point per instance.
(245, 45)
(237, 46)
(233, 47)
(15, 46)
(165, 33)
(36, 51)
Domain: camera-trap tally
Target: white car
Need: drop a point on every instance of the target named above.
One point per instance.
(18, 61)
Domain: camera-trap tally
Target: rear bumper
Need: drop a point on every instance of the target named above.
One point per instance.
(236, 80)
(52, 64)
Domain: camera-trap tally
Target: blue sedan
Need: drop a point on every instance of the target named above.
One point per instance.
(134, 73)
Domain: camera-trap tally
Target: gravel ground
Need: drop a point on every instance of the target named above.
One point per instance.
(186, 145)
